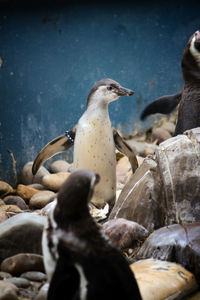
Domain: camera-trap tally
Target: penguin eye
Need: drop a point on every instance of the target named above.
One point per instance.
(109, 88)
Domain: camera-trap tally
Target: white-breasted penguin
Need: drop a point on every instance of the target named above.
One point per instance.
(94, 141)
(87, 266)
(189, 97)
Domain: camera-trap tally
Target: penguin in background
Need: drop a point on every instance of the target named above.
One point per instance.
(94, 141)
(86, 265)
(189, 98)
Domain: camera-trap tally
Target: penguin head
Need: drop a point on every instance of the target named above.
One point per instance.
(74, 196)
(107, 90)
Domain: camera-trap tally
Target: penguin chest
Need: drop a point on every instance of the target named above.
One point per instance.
(94, 150)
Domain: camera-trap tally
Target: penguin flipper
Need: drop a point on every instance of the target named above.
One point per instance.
(57, 145)
(162, 105)
(123, 147)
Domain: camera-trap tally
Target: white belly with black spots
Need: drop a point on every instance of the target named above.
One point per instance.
(94, 150)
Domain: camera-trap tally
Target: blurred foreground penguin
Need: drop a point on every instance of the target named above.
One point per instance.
(189, 97)
(94, 141)
(86, 265)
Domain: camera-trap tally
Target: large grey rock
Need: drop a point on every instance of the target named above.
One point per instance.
(165, 189)
(139, 201)
(27, 176)
(175, 243)
(21, 234)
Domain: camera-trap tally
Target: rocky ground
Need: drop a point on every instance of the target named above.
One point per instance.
(155, 221)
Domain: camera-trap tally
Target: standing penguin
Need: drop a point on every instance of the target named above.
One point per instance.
(189, 97)
(86, 265)
(94, 141)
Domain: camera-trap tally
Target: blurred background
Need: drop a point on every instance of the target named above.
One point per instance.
(52, 53)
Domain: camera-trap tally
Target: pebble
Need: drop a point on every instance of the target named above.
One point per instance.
(34, 276)
(163, 280)
(21, 263)
(3, 215)
(41, 199)
(11, 209)
(124, 233)
(59, 166)
(5, 189)
(4, 275)
(15, 200)
(160, 134)
(26, 192)
(42, 295)
(37, 186)
(27, 176)
(169, 126)
(21, 234)
(19, 282)
(8, 291)
(54, 181)
(123, 167)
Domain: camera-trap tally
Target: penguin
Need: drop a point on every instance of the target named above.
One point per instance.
(86, 265)
(94, 141)
(189, 98)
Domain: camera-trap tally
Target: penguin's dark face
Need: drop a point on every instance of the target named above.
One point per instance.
(106, 91)
(191, 58)
(74, 196)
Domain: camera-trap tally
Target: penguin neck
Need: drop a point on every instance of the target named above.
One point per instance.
(95, 104)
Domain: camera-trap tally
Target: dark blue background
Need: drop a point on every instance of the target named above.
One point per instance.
(53, 54)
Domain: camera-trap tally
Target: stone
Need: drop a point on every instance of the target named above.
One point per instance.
(160, 135)
(34, 276)
(3, 215)
(41, 199)
(11, 209)
(42, 295)
(15, 200)
(163, 280)
(27, 176)
(142, 148)
(21, 234)
(123, 167)
(19, 282)
(54, 181)
(169, 126)
(195, 296)
(22, 262)
(139, 200)
(26, 192)
(59, 166)
(5, 189)
(4, 275)
(8, 291)
(124, 233)
(175, 243)
(37, 186)
(45, 211)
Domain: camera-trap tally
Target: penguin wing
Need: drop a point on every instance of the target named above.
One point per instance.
(123, 147)
(162, 105)
(57, 145)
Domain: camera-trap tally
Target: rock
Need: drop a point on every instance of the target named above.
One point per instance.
(41, 199)
(169, 126)
(48, 208)
(8, 291)
(21, 234)
(15, 200)
(195, 296)
(19, 282)
(163, 280)
(37, 186)
(34, 276)
(5, 189)
(21, 263)
(160, 134)
(139, 200)
(26, 192)
(27, 176)
(123, 167)
(11, 209)
(124, 233)
(3, 215)
(59, 166)
(42, 295)
(175, 243)
(4, 275)
(142, 148)
(54, 181)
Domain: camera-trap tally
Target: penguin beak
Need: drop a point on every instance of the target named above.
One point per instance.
(124, 92)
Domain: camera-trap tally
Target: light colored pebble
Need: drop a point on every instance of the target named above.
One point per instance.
(34, 276)
(41, 199)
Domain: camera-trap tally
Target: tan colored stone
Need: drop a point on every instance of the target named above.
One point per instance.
(11, 208)
(5, 189)
(54, 181)
(8, 290)
(163, 280)
(26, 192)
(41, 199)
(160, 134)
(59, 166)
(3, 215)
